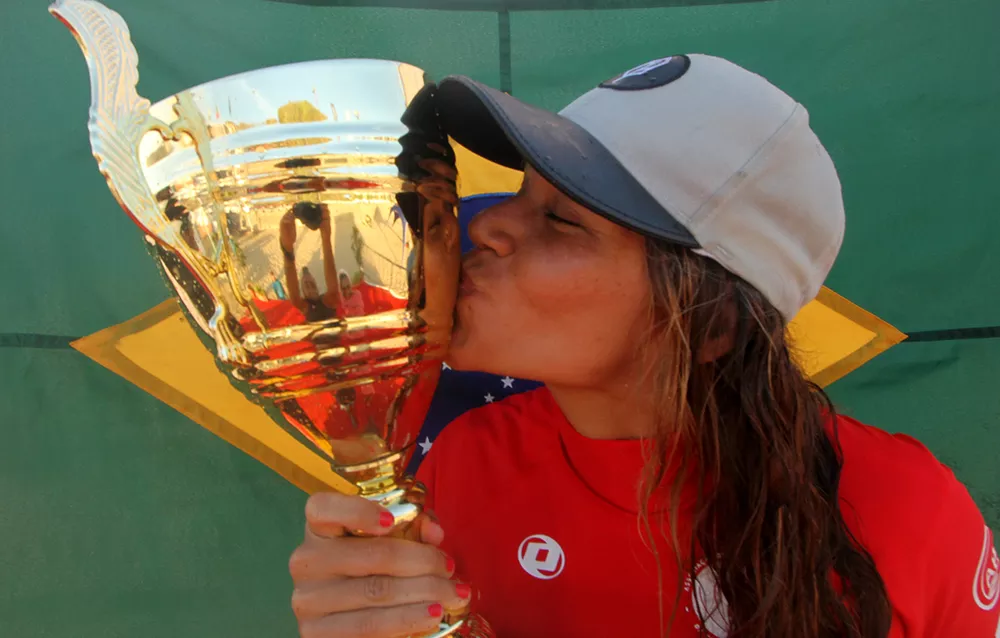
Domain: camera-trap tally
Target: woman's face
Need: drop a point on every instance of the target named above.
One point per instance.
(309, 288)
(551, 292)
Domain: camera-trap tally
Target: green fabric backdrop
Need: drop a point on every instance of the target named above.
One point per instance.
(118, 517)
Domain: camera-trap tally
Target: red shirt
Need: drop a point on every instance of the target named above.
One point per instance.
(543, 523)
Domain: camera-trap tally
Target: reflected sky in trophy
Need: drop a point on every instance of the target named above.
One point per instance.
(288, 134)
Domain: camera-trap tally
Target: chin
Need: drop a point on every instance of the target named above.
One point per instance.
(469, 351)
(459, 358)
(464, 358)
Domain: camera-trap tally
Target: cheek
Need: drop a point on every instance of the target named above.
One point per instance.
(560, 286)
(563, 316)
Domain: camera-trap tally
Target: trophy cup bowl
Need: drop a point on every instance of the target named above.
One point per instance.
(304, 217)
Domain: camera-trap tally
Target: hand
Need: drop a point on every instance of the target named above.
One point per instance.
(369, 587)
(287, 232)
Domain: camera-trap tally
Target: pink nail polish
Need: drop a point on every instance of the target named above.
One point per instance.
(463, 591)
(436, 610)
(386, 519)
(449, 564)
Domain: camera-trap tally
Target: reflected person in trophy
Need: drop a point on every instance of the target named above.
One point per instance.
(351, 301)
(677, 475)
(303, 292)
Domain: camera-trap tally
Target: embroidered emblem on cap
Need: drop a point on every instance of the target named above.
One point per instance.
(650, 75)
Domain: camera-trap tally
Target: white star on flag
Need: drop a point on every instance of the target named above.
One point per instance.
(507, 382)
(489, 398)
(425, 445)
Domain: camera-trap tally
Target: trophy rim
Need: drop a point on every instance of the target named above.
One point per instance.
(218, 266)
(278, 67)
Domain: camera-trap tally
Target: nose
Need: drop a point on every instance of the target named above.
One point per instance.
(495, 229)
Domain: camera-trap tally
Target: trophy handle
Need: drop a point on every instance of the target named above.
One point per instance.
(119, 116)
(119, 119)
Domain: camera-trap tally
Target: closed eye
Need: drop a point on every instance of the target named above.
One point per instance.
(559, 220)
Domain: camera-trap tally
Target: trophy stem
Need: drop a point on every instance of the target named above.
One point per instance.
(384, 483)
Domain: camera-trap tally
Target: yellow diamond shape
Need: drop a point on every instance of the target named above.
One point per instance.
(159, 352)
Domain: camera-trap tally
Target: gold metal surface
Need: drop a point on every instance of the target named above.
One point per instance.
(304, 216)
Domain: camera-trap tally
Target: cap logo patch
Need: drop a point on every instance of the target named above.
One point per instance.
(650, 75)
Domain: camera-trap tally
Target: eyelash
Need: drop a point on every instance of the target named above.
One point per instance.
(559, 220)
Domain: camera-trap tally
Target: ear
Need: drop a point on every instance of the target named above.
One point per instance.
(715, 348)
(722, 335)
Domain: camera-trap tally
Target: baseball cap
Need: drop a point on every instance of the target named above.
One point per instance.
(689, 148)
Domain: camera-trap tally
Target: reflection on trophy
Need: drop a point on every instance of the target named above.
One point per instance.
(304, 216)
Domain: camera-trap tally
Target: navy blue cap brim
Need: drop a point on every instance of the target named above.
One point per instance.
(511, 133)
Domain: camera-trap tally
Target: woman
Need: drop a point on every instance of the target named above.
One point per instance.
(676, 475)
(351, 301)
(316, 306)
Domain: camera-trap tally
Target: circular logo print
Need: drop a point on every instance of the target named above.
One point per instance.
(710, 607)
(986, 588)
(541, 556)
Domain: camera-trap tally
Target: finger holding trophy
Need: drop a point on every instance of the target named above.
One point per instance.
(304, 218)
(376, 586)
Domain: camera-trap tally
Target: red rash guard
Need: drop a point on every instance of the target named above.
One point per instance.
(543, 523)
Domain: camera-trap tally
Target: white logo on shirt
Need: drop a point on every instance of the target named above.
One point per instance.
(986, 587)
(541, 556)
(709, 604)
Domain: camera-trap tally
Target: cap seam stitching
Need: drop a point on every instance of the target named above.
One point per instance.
(764, 150)
(729, 188)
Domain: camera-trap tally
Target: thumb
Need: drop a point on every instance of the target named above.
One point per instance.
(430, 531)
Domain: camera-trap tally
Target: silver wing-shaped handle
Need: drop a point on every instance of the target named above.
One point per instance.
(119, 119)
(119, 116)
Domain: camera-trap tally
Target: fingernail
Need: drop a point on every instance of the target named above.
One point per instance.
(386, 519)
(463, 591)
(436, 610)
(449, 564)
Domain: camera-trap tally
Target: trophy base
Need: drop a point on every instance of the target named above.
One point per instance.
(404, 497)
(471, 626)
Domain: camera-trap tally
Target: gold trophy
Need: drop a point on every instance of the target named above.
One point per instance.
(304, 216)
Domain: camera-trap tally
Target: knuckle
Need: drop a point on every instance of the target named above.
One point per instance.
(434, 588)
(433, 559)
(300, 603)
(416, 620)
(298, 563)
(378, 589)
(318, 507)
(430, 588)
(378, 554)
(369, 625)
(443, 588)
(312, 629)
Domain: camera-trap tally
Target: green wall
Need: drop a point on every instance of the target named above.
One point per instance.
(118, 517)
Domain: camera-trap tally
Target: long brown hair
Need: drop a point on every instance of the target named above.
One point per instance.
(754, 436)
